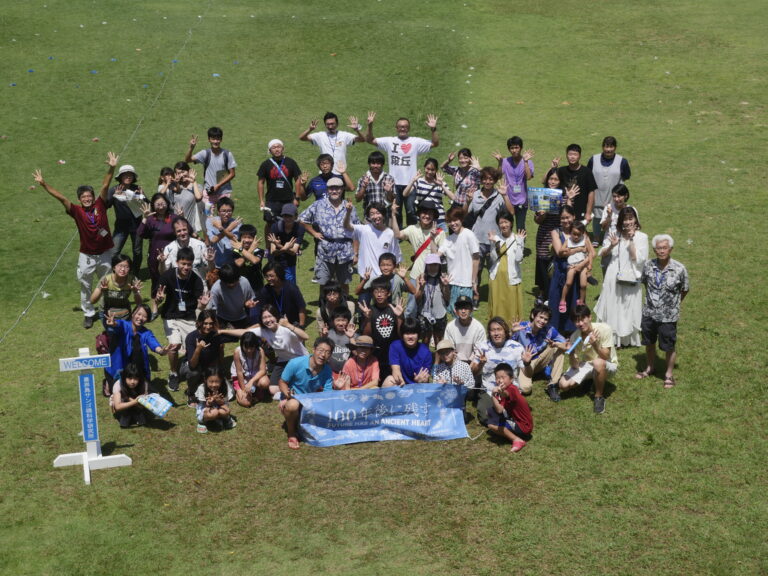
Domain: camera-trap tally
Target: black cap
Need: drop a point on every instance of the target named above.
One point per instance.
(463, 302)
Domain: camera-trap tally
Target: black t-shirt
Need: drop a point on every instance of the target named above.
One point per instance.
(278, 229)
(209, 356)
(383, 330)
(180, 290)
(251, 271)
(279, 188)
(586, 182)
(289, 302)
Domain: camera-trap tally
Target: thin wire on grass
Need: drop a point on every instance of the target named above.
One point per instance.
(37, 293)
(122, 151)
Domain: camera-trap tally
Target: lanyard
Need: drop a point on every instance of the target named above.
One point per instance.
(660, 281)
(280, 169)
(178, 286)
(279, 303)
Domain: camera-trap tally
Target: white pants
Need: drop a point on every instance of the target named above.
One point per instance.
(87, 265)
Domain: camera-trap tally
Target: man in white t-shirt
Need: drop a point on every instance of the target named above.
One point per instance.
(465, 332)
(402, 152)
(333, 141)
(372, 239)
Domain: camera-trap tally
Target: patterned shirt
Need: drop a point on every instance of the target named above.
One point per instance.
(459, 373)
(374, 192)
(336, 245)
(664, 290)
(463, 182)
(511, 353)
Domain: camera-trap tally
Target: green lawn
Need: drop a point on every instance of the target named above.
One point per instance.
(665, 482)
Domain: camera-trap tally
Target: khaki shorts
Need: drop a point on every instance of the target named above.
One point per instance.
(176, 331)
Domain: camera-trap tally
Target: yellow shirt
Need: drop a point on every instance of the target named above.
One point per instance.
(604, 335)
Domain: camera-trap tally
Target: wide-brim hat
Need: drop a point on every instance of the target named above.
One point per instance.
(362, 342)
(125, 169)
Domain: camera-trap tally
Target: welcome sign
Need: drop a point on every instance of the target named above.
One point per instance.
(413, 412)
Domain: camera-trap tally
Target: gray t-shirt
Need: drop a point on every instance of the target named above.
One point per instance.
(488, 222)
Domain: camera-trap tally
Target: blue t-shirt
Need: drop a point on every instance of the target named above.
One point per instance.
(301, 380)
(410, 360)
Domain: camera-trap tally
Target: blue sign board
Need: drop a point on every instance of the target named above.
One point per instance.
(88, 408)
(413, 412)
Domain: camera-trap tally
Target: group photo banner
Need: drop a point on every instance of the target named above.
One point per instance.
(413, 412)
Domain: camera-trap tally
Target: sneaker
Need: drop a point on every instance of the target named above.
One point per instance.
(595, 244)
(230, 423)
(553, 393)
(202, 428)
(475, 304)
(88, 322)
(315, 280)
(599, 405)
(592, 281)
(173, 382)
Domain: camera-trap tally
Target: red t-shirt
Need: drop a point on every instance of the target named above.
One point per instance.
(93, 227)
(518, 410)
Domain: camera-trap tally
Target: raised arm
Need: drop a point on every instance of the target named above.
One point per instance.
(356, 126)
(304, 136)
(348, 218)
(38, 176)
(188, 155)
(111, 162)
(369, 133)
(432, 123)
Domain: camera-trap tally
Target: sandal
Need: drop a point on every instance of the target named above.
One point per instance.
(644, 374)
(669, 382)
(293, 443)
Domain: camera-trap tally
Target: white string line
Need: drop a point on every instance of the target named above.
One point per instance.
(125, 147)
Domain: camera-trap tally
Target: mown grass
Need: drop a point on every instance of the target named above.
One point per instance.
(664, 482)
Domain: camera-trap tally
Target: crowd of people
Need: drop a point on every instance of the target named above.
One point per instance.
(383, 320)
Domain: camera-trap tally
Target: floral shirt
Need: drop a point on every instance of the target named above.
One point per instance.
(336, 245)
(664, 290)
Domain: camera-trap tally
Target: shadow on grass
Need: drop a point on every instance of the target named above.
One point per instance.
(111, 447)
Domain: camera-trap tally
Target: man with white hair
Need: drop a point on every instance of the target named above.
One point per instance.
(666, 285)
(277, 175)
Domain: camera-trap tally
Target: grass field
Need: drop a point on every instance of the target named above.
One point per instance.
(665, 482)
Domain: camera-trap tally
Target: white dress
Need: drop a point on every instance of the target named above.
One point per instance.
(621, 305)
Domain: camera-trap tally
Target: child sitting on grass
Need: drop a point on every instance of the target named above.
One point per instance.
(576, 242)
(213, 403)
(362, 366)
(124, 401)
(249, 372)
(510, 416)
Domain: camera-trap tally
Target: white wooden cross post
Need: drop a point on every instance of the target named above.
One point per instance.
(91, 459)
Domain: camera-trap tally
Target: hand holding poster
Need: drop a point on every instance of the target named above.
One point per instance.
(412, 412)
(545, 200)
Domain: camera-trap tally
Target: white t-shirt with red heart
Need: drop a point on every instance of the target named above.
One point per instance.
(402, 156)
